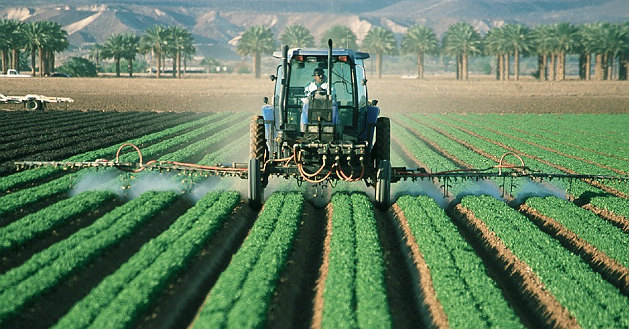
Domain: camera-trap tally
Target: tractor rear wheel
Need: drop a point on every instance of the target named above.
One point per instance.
(257, 140)
(382, 147)
(383, 185)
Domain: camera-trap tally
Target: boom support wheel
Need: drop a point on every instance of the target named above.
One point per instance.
(382, 145)
(383, 185)
(256, 192)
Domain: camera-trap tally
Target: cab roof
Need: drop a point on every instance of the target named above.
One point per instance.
(323, 52)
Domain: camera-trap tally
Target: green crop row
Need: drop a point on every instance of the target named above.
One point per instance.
(32, 175)
(21, 198)
(47, 268)
(470, 298)
(240, 298)
(613, 204)
(422, 152)
(596, 231)
(552, 157)
(33, 225)
(354, 295)
(120, 297)
(593, 301)
(499, 123)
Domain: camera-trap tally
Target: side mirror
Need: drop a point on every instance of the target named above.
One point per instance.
(374, 102)
(272, 77)
(265, 100)
(364, 82)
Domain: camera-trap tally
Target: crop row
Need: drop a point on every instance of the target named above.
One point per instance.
(21, 198)
(85, 123)
(32, 175)
(240, 298)
(354, 294)
(552, 157)
(47, 268)
(119, 299)
(497, 123)
(470, 298)
(18, 121)
(585, 295)
(33, 225)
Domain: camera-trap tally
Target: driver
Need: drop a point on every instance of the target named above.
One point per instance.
(318, 84)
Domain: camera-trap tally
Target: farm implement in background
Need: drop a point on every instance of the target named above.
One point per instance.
(325, 132)
(33, 102)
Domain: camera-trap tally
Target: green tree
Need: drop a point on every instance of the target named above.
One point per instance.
(79, 67)
(341, 35)
(115, 48)
(56, 42)
(154, 41)
(35, 36)
(297, 36)
(517, 41)
(543, 46)
(462, 40)
(257, 40)
(180, 43)
(494, 46)
(11, 42)
(131, 48)
(420, 40)
(380, 41)
(210, 63)
(95, 54)
(564, 39)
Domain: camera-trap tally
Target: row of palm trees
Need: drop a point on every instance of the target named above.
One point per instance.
(605, 42)
(41, 39)
(158, 40)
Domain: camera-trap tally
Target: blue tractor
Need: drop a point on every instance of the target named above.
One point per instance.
(320, 132)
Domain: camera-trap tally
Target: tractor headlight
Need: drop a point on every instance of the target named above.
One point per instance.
(328, 129)
(313, 129)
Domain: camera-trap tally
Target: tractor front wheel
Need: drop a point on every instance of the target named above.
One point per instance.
(382, 147)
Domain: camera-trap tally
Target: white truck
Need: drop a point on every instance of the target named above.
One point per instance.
(11, 73)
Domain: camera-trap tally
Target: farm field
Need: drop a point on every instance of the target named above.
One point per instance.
(110, 249)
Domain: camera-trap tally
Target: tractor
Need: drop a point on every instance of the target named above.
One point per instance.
(323, 135)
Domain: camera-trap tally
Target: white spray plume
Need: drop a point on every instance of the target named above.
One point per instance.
(481, 187)
(531, 188)
(155, 182)
(102, 180)
(201, 188)
(420, 187)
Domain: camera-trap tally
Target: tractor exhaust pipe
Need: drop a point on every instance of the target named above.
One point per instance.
(282, 113)
(329, 82)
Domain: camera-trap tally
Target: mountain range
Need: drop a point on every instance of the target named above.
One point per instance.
(217, 24)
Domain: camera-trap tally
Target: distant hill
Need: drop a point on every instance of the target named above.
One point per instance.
(216, 24)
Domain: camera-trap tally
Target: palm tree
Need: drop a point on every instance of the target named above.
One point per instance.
(543, 45)
(179, 43)
(517, 40)
(564, 39)
(462, 40)
(297, 36)
(380, 41)
(494, 45)
(623, 57)
(255, 41)
(115, 48)
(131, 48)
(341, 35)
(154, 40)
(10, 44)
(35, 34)
(420, 40)
(56, 41)
(95, 54)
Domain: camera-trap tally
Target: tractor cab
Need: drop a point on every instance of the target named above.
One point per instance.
(334, 110)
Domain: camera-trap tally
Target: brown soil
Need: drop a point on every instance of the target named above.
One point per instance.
(244, 93)
(292, 302)
(608, 267)
(399, 281)
(317, 316)
(430, 307)
(541, 302)
(178, 304)
(619, 221)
